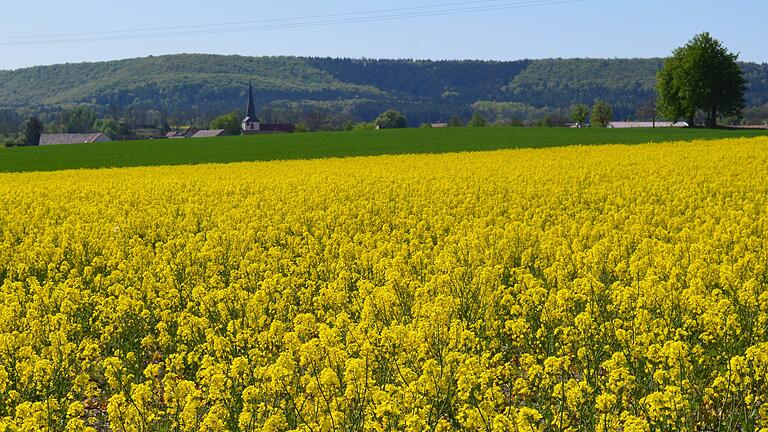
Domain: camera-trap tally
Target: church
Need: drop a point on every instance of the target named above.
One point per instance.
(251, 124)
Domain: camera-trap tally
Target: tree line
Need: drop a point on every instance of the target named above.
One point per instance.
(702, 82)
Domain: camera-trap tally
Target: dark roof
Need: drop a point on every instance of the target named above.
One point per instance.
(209, 133)
(186, 133)
(250, 111)
(52, 139)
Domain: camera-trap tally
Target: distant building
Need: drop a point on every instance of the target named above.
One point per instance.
(252, 125)
(210, 133)
(658, 124)
(438, 125)
(56, 139)
(186, 133)
(277, 128)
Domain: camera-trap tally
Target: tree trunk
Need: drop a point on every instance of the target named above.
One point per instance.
(712, 118)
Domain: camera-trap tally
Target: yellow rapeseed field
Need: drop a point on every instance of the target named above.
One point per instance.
(611, 288)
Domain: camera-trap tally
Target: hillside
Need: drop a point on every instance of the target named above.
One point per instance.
(190, 86)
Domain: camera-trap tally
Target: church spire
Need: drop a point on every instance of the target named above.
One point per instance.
(250, 112)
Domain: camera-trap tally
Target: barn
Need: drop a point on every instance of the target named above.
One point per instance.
(210, 133)
(72, 138)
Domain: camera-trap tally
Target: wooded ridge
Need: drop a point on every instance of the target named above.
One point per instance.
(194, 85)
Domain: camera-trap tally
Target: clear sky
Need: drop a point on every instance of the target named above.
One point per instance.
(588, 28)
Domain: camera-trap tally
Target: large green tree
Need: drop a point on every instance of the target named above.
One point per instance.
(228, 122)
(701, 76)
(579, 114)
(602, 114)
(391, 119)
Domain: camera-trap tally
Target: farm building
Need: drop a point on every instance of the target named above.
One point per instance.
(658, 124)
(210, 133)
(186, 133)
(56, 139)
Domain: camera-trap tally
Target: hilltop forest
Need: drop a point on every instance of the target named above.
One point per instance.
(193, 88)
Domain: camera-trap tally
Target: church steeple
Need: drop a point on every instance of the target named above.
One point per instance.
(250, 112)
(250, 123)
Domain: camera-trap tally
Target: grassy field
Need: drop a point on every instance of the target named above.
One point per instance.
(336, 144)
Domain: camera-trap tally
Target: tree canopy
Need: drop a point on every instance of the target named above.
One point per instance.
(78, 120)
(391, 119)
(701, 76)
(602, 114)
(228, 122)
(108, 127)
(579, 113)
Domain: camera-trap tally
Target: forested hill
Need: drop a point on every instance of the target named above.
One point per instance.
(189, 86)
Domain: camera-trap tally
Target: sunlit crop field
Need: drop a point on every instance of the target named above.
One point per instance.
(585, 288)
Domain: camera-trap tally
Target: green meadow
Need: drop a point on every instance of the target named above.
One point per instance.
(332, 144)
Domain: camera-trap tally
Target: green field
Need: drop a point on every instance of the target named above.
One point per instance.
(331, 144)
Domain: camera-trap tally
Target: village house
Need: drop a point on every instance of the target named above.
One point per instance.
(72, 138)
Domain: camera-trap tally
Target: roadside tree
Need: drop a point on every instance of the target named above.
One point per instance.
(602, 114)
(579, 114)
(701, 76)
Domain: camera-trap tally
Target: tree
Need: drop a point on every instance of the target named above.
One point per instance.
(477, 120)
(229, 122)
(78, 120)
(391, 119)
(579, 114)
(315, 118)
(602, 114)
(33, 129)
(546, 121)
(455, 121)
(108, 127)
(647, 110)
(701, 76)
(9, 121)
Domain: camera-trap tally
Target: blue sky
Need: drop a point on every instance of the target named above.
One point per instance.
(589, 28)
